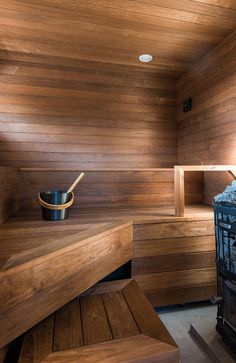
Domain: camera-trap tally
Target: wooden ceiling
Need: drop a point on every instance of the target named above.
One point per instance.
(176, 33)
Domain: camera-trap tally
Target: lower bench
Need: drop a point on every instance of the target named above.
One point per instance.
(111, 322)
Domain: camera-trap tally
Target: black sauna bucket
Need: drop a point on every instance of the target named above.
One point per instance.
(55, 204)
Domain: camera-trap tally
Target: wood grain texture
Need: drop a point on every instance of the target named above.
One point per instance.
(118, 324)
(118, 312)
(148, 322)
(10, 192)
(177, 279)
(68, 327)
(95, 323)
(207, 133)
(183, 295)
(173, 246)
(172, 229)
(32, 248)
(78, 265)
(187, 261)
(112, 188)
(175, 259)
(37, 344)
(136, 349)
(88, 115)
(176, 33)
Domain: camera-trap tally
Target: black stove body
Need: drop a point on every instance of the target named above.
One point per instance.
(225, 229)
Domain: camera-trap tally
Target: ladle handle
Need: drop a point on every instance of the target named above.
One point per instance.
(75, 183)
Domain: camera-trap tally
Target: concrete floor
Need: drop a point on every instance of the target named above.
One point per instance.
(202, 316)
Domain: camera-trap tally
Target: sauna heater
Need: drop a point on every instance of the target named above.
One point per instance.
(225, 229)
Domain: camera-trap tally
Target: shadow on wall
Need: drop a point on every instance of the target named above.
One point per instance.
(215, 183)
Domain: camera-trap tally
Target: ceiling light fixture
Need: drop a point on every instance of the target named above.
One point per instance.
(145, 58)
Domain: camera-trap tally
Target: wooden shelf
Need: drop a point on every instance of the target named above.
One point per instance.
(179, 171)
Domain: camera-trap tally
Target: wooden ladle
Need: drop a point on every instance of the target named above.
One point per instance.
(72, 187)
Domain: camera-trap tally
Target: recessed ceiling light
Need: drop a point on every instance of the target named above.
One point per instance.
(145, 58)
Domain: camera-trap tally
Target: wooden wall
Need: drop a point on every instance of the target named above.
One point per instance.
(57, 112)
(9, 193)
(118, 189)
(85, 114)
(207, 134)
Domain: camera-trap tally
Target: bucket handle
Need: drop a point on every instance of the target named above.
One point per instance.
(56, 206)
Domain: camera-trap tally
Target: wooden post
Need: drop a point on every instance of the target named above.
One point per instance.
(179, 191)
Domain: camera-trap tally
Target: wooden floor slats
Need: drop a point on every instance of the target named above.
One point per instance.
(68, 327)
(38, 342)
(117, 311)
(95, 323)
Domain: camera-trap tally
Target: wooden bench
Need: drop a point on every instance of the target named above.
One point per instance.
(112, 322)
(36, 280)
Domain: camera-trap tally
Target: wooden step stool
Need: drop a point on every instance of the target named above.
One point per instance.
(111, 322)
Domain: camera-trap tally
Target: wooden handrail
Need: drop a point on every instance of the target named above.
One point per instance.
(95, 170)
(179, 171)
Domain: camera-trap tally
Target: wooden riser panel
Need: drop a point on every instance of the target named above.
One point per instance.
(173, 230)
(164, 297)
(174, 262)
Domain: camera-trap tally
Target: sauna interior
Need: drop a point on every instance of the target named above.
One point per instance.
(140, 96)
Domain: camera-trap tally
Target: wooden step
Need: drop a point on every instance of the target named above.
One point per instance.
(111, 322)
(38, 281)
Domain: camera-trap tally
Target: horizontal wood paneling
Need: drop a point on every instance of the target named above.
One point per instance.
(176, 33)
(163, 297)
(173, 229)
(207, 134)
(175, 261)
(172, 246)
(157, 264)
(86, 115)
(10, 192)
(177, 279)
(89, 115)
(99, 189)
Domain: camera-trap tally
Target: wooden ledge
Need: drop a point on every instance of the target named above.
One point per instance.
(140, 348)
